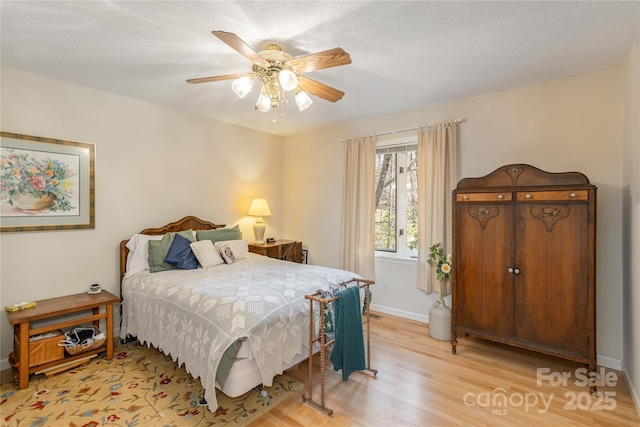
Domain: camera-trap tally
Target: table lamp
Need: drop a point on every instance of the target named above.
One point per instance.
(259, 208)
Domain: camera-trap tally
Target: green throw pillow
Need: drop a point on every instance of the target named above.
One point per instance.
(158, 250)
(220, 234)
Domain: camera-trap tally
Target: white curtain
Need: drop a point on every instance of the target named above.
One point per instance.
(437, 161)
(357, 245)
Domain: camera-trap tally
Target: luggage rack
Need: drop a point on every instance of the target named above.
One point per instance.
(323, 344)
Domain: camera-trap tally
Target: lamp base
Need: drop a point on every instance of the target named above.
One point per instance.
(258, 230)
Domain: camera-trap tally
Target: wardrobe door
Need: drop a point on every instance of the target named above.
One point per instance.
(552, 287)
(484, 248)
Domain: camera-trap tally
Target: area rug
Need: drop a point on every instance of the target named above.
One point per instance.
(140, 386)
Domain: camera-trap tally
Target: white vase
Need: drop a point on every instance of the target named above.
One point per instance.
(440, 321)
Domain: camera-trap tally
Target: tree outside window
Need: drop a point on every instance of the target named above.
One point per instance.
(396, 228)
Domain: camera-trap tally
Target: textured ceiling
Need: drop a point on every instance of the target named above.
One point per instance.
(405, 54)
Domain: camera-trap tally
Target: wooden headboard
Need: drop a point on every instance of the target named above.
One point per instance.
(186, 223)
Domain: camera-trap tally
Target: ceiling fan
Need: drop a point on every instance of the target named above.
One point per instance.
(279, 72)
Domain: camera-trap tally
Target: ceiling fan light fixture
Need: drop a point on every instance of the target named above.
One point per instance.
(264, 102)
(303, 100)
(243, 85)
(288, 80)
(279, 73)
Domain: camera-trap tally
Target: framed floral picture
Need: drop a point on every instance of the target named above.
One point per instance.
(46, 184)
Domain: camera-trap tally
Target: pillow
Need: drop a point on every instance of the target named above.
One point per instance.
(240, 248)
(227, 254)
(220, 234)
(180, 254)
(138, 257)
(206, 254)
(158, 251)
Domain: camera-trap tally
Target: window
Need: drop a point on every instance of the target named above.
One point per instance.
(396, 228)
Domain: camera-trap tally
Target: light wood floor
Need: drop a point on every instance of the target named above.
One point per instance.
(421, 383)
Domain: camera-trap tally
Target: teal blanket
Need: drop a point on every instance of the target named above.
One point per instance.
(348, 349)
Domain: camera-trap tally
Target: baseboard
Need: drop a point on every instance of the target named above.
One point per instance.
(4, 364)
(609, 362)
(632, 388)
(400, 313)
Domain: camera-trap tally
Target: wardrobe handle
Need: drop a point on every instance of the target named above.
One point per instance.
(528, 196)
(500, 196)
(573, 195)
(517, 271)
(510, 270)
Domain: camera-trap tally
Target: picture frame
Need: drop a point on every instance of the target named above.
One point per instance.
(46, 184)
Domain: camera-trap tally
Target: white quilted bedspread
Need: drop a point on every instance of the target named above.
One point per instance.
(194, 315)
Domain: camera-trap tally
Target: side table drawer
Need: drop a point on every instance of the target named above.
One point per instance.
(41, 351)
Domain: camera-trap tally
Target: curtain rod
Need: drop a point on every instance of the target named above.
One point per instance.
(456, 121)
(393, 132)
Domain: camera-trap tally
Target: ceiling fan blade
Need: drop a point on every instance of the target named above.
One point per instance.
(320, 90)
(216, 78)
(238, 45)
(317, 61)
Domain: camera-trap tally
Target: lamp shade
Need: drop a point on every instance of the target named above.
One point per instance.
(259, 207)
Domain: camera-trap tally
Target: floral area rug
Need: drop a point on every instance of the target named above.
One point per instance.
(138, 387)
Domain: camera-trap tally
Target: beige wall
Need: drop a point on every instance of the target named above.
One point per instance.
(572, 124)
(631, 221)
(153, 166)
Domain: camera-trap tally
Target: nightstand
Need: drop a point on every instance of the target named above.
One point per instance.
(24, 327)
(288, 250)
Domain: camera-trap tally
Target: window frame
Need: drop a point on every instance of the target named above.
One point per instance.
(402, 250)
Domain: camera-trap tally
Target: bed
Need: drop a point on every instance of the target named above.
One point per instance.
(233, 325)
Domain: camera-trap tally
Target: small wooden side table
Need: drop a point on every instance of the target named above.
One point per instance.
(23, 327)
(288, 250)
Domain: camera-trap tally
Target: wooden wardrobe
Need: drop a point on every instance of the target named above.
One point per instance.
(524, 249)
